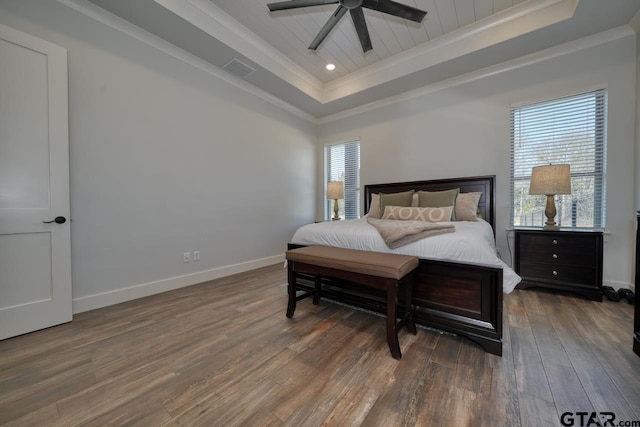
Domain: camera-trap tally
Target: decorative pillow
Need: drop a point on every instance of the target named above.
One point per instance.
(374, 207)
(438, 199)
(415, 200)
(403, 213)
(467, 206)
(396, 199)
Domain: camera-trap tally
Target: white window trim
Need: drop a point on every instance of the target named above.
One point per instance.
(585, 90)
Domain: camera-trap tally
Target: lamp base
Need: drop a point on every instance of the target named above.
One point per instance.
(550, 212)
(335, 210)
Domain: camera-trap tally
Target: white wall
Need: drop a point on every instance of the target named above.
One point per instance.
(637, 174)
(167, 159)
(463, 130)
(635, 24)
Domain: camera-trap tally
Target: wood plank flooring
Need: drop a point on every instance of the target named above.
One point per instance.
(222, 353)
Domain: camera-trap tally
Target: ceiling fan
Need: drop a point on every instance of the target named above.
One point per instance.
(355, 8)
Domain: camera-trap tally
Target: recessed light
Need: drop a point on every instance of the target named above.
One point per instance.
(330, 67)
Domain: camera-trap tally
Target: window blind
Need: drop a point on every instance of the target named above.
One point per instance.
(570, 130)
(343, 164)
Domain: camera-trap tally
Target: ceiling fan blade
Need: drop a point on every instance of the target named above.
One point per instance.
(294, 4)
(396, 9)
(361, 28)
(331, 22)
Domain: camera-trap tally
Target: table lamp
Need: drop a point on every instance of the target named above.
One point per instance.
(550, 180)
(335, 191)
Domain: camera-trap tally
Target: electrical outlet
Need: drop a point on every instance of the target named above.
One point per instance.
(196, 255)
(187, 256)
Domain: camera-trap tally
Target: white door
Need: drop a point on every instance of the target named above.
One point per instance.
(35, 258)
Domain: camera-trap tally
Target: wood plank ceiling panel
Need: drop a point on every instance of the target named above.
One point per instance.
(499, 5)
(398, 27)
(417, 31)
(431, 22)
(447, 12)
(483, 8)
(377, 24)
(465, 11)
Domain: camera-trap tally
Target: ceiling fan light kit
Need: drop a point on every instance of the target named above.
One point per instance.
(357, 15)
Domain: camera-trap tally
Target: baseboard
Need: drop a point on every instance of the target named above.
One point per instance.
(117, 296)
(617, 285)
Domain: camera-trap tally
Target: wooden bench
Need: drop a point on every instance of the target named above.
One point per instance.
(375, 269)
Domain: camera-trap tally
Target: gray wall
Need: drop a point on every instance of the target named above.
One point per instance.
(463, 130)
(637, 175)
(167, 159)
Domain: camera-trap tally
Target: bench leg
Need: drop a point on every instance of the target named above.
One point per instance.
(392, 333)
(408, 298)
(291, 288)
(316, 295)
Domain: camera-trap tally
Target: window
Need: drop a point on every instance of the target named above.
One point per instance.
(343, 164)
(566, 130)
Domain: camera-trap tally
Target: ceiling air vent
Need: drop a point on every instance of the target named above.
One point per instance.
(238, 68)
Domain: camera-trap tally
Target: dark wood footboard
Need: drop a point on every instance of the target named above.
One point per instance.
(461, 298)
(464, 299)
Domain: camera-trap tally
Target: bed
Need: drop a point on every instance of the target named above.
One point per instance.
(462, 296)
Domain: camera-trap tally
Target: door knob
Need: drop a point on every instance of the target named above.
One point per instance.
(58, 220)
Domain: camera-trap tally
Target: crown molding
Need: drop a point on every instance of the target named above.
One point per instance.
(514, 64)
(635, 22)
(100, 15)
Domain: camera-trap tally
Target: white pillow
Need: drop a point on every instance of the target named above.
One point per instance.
(374, 207)
(467, 206)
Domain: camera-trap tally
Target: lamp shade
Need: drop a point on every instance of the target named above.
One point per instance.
(335, 190)
(550, 179)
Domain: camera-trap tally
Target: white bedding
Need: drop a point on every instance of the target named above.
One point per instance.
(471, 243)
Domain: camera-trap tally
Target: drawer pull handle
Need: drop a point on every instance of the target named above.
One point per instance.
(555, 273)
(555, 256)
(555, 242)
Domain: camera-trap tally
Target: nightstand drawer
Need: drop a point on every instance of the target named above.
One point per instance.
(560, 255)
(583, 245)
(559, 273)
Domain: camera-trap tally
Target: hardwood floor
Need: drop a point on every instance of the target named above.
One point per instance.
(223, 353)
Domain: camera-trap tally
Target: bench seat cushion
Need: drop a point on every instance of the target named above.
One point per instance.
(393, 266)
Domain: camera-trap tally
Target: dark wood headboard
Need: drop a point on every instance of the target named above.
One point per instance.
(484, 184)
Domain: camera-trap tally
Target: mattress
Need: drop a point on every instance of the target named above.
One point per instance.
(472, 243)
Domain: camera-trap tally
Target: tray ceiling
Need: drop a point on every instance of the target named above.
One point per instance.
(291, 31)
(456, 37)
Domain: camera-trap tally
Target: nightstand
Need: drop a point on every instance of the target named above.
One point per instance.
(568, 260)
